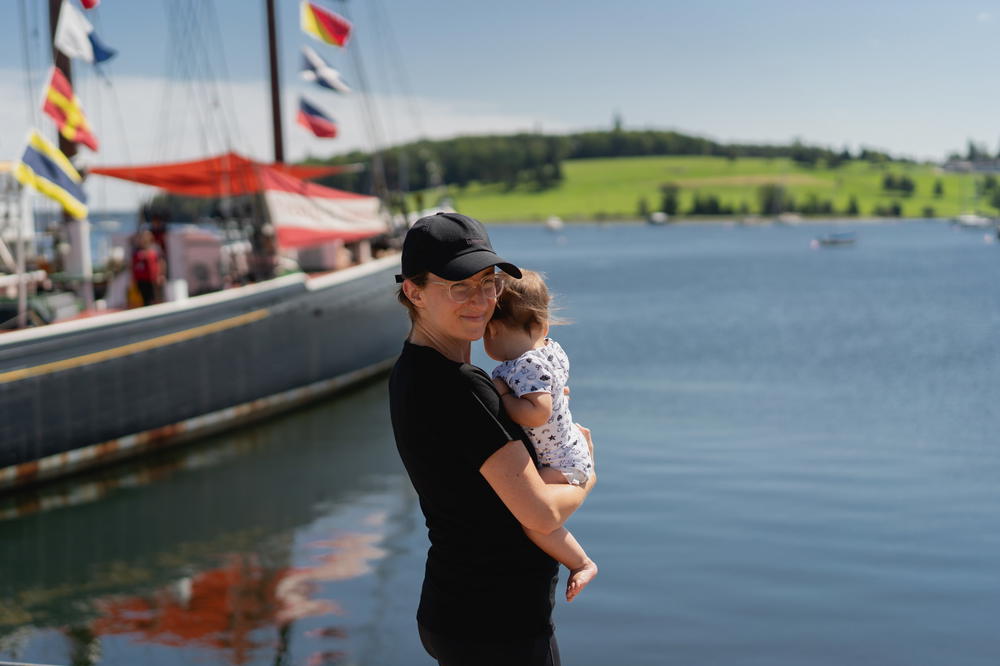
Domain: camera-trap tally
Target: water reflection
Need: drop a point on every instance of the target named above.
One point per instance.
(226, 546)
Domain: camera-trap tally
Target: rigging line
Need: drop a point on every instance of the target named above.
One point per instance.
(189, 64)
(107, 78)
(203, 77)
(163, 116)
(214, 57)
(392, 135)
(182, 51)
(195, 79)
(395, 65)
(207, 81)
(400, 67)
(370, 118)
(173, 127)
(117, 107)
(94, 112)
(186, 49)
(28, 69)
(224, 65)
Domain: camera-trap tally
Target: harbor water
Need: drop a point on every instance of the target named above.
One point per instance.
(798, 459)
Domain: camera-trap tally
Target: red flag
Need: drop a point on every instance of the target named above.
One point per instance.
(90, 4)
(323, 24)
(62, 104)
(316, 121)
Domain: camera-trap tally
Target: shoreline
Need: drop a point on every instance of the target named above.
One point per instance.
(730, 221)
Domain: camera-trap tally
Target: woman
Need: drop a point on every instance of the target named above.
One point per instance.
(488, 591)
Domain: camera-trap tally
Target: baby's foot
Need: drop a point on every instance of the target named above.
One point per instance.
(578, 579)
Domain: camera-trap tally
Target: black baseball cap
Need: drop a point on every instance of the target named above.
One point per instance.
(450, 245)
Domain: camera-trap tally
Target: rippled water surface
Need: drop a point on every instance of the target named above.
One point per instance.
(798, 454)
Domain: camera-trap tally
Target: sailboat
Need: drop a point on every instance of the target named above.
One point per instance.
(95, 389)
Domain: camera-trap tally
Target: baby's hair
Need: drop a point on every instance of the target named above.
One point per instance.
(525, 303)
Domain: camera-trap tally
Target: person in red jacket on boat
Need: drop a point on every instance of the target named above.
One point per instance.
(147, 267)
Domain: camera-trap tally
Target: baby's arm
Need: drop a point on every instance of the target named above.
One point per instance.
(530, 410)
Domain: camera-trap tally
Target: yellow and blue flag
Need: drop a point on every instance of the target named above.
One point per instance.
(45, 168)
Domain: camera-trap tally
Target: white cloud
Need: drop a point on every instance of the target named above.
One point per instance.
(142, 121)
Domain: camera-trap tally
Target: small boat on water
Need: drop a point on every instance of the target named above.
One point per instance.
(842, 239)
(103, 385)
(973, 221)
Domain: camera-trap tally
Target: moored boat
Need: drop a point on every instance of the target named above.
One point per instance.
(87, 392)
(113, 384)
(973, 221)
(842, 239)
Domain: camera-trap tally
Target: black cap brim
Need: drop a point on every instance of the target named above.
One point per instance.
(467, 265)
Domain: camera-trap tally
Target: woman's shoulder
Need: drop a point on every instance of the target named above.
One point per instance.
(421, 379)
(418, 365)
(474, 377)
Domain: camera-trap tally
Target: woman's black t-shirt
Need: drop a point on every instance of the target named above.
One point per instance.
(484, 580)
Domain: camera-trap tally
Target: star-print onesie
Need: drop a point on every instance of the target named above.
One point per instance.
(558, 443)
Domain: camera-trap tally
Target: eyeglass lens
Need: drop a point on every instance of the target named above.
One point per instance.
(490, 286)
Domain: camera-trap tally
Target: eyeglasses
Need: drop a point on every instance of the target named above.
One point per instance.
(491, 286)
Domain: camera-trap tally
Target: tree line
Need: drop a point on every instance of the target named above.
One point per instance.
(775, 199)
(535, 160)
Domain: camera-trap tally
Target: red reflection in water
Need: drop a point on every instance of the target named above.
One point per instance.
(222, 607)
(217, 609)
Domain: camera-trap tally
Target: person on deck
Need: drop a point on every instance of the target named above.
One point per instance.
(488, 591)
(147, 267)
(158, 227)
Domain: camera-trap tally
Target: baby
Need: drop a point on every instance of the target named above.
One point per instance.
(530, 379)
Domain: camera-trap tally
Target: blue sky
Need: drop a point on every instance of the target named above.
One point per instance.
(914, 78)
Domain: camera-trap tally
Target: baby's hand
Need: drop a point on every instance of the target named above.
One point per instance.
(501, 386)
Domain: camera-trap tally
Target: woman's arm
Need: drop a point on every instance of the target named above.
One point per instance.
(537, 505)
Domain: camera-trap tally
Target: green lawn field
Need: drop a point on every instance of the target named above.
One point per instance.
(611, 188)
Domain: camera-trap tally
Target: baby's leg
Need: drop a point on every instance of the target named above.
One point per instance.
(564, 548)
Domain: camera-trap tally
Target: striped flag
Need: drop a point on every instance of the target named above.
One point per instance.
(75, 36)
(316, 121)
(64, 107)
(45, 168)
(316, 70)
(323, 24)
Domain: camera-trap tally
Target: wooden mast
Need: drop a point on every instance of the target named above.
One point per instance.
(272, 48)
(63, 62)
(77, 232)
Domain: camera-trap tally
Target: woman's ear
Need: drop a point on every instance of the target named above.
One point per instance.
(414, 293)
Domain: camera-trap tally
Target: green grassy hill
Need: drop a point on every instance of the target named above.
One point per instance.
(611, 188)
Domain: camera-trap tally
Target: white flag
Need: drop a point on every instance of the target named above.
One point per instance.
(75, 36)
(316, 70)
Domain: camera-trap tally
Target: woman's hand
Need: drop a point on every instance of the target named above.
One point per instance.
(590, 446)
(586, 435)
